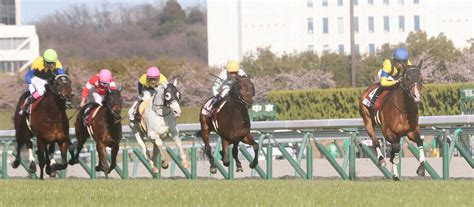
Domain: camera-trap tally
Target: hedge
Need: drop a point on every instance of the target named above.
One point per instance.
(437, 99)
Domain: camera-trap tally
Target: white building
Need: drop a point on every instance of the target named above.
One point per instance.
(238, 27)
(19, 45)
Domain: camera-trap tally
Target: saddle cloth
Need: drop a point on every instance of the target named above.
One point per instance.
(378, 103)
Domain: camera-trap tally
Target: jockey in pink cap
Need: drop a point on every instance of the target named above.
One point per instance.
(101, 82)
(146, 87)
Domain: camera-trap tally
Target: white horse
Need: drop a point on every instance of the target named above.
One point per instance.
(159, 122)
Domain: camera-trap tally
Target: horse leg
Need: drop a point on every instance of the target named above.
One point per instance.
(182, 153)
(225, 150)
(248, 139)
(415, 137)
(81, 136)
(50, 161)
(113, 163)
(103, 166)
(205, 138)
(63, 148)
(157, 149)
(235, 155)
(395, 159)
(41, 156)
(375, 142)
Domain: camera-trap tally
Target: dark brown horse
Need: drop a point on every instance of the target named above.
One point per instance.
(49, 123)
(232, 124)
(398, 117)
(105, 128)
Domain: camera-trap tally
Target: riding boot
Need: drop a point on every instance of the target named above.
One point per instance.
(25, 108)
(86, 114)
(374, 97)
(215, 104)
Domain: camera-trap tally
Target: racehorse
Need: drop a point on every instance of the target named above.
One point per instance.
(49, 123)
(159, 122)
(104, 126)
(397, 117)
(231, 123)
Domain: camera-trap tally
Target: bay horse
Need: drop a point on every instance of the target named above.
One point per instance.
(49, 123)
(104, 127)
(159, 122)
(231, 123)
(397, 117)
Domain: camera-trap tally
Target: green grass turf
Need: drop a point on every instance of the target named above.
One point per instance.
(78, 192)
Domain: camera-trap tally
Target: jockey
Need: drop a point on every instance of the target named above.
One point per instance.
(42, 70)
(101, 82)
(222, 85)
(391, 72)
(147, 84)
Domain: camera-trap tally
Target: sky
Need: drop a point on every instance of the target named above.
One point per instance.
(33, 10)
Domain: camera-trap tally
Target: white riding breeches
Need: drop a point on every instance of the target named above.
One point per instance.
(37, 85)
(146, 94)
(97, 98)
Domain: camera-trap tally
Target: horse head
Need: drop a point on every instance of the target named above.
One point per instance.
(171, 98)
(113, 102)
(412, 82)
(244, 91)
(62, 87)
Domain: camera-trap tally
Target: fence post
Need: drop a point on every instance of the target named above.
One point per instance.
(193, 163)
(269, 158)
(352, 155)
(445, 148)
(309, 162)
(125, 163)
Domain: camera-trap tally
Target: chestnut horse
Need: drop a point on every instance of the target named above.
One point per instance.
(50, 125)
(398, 117)
(232, 123)
(105, 128)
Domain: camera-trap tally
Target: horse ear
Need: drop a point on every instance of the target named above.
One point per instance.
(420, 64)
(175, 82)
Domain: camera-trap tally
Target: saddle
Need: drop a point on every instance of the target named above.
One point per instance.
(209, 110)
(90, 112)
(141, 111)
(378, 103)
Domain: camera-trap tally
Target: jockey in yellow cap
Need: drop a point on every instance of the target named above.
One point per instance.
(222, 85)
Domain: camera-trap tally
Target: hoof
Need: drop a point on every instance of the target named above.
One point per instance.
(253, 165)
(186, 164)
(226, 163)
(239, 169)
(155, 170)
(213, 170)
(52, 174)
(97, 168)
(382, 162)
(32, 167)
(16, 163)
(73, 161)
(420, 171)
(164, 165)
(395, 178)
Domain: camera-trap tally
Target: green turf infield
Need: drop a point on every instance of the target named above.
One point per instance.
(141, 192)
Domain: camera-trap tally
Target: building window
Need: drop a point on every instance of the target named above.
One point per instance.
(310, 26)
(416, 1)
(341, 49)
(356, 24)
(401, 2)
(310, 3)
(371, 24)
(417, 23)
(12, 43)
(370, 2)
(401, 23)
(325, 48)
(325, 2)
(325, 25)
(340, 2)
(386, 24)
(385, 2)
(371, 49)
(356, 2)
(340, 25)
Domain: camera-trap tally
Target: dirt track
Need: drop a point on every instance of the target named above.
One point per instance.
(459, 168)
